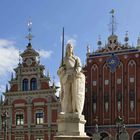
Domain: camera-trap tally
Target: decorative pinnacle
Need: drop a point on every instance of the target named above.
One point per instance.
(126, 39)
(29, 36)
(99, 43)
(88, 48)
(112, 23)
(19, 59)
(138, 42)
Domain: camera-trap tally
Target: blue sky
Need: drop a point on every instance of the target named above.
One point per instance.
(84, 21)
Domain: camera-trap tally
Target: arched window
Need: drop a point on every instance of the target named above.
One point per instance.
(104, 136)
(25, 85)
(33, 84)
(136, 136)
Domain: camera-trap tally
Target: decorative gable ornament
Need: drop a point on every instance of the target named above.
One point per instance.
(113, 62)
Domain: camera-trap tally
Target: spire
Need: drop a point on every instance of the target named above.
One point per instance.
(12, 77)
(1, 100)
(53, 85)
(19, 59)
(88, 49)
(29, 36)
(6, 87)
(48, 74)
(38, 59)
(112, 24)
(138, 43)
(99, 42)
(126, 39)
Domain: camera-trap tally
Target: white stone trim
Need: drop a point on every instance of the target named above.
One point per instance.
(39, 104)
(121, 66)
(20, 105)
(133, 64)
(93, 68)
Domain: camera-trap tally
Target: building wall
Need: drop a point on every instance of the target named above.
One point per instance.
(112, 94)
(30, 106)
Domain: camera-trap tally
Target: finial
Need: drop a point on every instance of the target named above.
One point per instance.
(29, 36)
(99, 43)
(19, 59)
(12, 77)
(48, 74)
(1, 100)
(138, 43)
(112, 24)
(38, 58)
(88, 49)
(53, 82)
(126, 37)
(6, 87)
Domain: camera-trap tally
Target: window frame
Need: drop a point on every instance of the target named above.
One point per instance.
(20, 120)
(39, 119)
(25, 83)
(33, 84)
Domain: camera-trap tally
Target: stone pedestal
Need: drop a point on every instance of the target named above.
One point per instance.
(96, 136)
(71, 127)
(124, 136)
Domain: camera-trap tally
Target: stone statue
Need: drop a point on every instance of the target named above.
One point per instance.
(72, 81)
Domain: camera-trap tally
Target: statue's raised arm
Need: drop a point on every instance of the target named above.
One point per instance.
(72, 83)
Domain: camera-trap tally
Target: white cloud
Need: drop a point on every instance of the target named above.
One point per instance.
(2, 88)
(8, 56)
(5, 43)
(70, 39)
(45, 54)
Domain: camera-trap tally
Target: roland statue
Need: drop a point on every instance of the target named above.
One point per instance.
(72, 82)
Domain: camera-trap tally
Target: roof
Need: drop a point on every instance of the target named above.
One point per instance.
(29, 51)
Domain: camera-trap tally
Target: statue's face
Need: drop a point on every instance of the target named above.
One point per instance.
(69, 49)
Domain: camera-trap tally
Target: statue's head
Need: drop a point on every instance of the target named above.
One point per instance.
(69, 49)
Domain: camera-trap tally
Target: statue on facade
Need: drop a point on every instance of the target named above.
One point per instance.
(72, 81)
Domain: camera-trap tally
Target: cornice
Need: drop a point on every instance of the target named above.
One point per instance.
(33, 92)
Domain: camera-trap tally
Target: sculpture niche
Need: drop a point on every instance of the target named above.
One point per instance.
(72, 81)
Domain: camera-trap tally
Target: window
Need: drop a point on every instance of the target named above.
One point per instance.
(119, 80)
(94, 83)
(19, 119)
(25, 85)
(106, 82)
(33, 84)
(39, 118)
(131, 79)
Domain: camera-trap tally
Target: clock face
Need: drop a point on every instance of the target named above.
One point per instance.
(113, 62)
(29, 61)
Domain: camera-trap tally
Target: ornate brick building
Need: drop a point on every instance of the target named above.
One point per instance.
(113, 89)
(30, 107)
